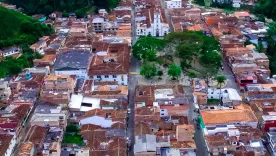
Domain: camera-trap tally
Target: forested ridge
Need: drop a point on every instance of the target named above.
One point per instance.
(17, 29)
(266, 8)
(66, 6)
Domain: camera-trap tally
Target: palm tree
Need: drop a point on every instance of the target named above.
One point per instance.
(220, 79)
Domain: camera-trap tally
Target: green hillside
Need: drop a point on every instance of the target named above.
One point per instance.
(17, 28)
(66, 6)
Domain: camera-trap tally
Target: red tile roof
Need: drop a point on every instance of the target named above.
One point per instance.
(5, 140)
(36, 135)
(20, 112)
(120, 53)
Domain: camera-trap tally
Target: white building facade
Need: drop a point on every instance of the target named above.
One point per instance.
(156, 27)
(228, 95)
(80, 73)
(122, 79)
(173, 4)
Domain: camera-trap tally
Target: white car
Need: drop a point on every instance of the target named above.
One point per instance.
(128, 111)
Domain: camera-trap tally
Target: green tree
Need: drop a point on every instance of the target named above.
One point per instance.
(208, 74)
(266, 8)
(211, 59)
(149, 55)
(207, 3)
(260, 47)
(146, 43)
(192, 76)
(72, 128)
(48, 9)
(261, 17)
(26, 27)
(271, 50)
(187, 52)
(220, 80)
(174, 71)
(209, 44)
(148, 70)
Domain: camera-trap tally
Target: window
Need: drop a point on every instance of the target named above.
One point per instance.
(106, 76)
(98, 76)
(114, 76)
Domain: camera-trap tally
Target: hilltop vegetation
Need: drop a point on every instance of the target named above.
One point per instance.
(66, 6)
(266, 8)
(17, 29)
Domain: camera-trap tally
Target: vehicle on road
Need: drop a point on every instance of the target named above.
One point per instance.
(221, 66)
(128, 111)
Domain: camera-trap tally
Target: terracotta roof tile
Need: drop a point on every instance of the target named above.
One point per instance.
(183, 144)
(228, 116)
(89, 127)
(36, 135)
(216, 141)
(120, 53)
(5, 140)
(21, 112)
(142, 128)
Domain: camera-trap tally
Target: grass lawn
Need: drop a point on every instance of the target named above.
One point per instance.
(213, 101)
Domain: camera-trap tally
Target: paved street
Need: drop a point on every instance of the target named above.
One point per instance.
(162, 2)
(133, 80)
(133, 26)
(199, 139)
(231, 83)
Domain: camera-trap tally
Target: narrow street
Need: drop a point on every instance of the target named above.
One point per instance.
(201, 149)
(231, 83)
(132, 82)
(168, 18)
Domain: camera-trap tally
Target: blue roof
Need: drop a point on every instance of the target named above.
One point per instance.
(42, 19)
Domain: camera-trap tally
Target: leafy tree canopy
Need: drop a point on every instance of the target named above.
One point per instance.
(191, 44)
(266, 8)
(148, 70)
(174, 71)
(211, 59)
(144, 44)
(47, 6)
(220, 79)
(271, 50)
(149, 55)
(17, 29)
